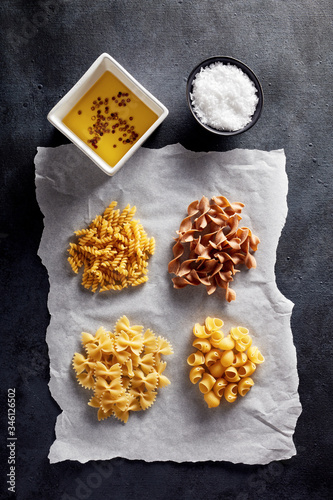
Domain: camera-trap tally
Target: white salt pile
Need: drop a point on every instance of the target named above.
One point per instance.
(223, 97)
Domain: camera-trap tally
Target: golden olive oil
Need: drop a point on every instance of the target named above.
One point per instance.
(110, 118)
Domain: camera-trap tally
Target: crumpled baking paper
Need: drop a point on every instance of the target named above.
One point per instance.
(256, 429)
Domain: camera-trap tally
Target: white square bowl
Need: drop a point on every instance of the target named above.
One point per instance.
(102, 64)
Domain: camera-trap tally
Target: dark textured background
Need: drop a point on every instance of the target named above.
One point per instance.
(45, 47)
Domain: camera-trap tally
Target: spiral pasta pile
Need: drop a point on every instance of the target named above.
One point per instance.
(222, 365)
(124, 368)
(114, 251)
(215, 243)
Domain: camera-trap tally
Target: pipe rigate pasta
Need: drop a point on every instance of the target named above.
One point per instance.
(206, 383)
(243, 344)
(247, 369)
(201, 332)
(211, 399)
(210, 245)
(196, 374)
(227, 358)
(123, 368)
(202, 344)
(231, 374)
(230, 393)
(244, 386)
(213, 324)
(226, 343)
(239, 359)
(217, 369)
(255, 355)
(216, 338)
(196, 359)
(114, 251)
(211, 357)
(219, 387)
(222, 372)
(239, 332)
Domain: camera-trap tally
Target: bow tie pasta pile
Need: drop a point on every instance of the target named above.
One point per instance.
(222, 365)
(215, 245)
(114, 251)
(123, 368)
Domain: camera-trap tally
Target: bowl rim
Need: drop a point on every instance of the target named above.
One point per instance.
(248, 71)
(54, 114)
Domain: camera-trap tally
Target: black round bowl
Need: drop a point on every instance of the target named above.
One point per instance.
(247, 71)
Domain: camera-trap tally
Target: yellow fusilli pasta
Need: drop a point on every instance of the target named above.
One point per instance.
(114, 251)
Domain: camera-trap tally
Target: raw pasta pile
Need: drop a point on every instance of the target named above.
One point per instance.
(123, 368)
(114, 251)
(222, 365)
(215, 245)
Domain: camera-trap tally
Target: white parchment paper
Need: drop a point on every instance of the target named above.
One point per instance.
(256, 429)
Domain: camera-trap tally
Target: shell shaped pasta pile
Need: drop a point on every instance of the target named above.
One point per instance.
(114, 251)
(123, 368)
(222, 365)
(215, 245)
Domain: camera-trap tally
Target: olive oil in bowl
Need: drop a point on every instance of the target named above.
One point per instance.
(110, 118)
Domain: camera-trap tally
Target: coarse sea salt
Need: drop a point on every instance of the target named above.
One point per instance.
(223, 97)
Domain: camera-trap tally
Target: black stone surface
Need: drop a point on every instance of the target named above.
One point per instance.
(46, 46)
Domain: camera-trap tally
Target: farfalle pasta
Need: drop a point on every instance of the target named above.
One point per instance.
(123, 368)
(114, 251)
(210, 245)
(221, 366)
